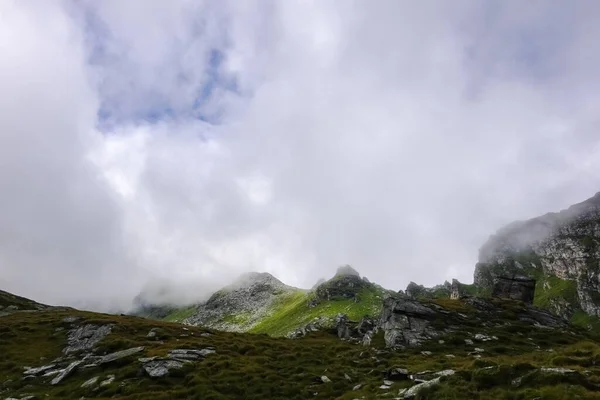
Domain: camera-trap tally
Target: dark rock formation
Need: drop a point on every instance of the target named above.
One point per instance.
(560, 250)
(415, 291)
(515, 288)
(407, 322)
(346, 284)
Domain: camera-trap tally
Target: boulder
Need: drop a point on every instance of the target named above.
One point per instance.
(341, 326)
(90, 382)
(85, 337)
(406, 322)
(160, 368)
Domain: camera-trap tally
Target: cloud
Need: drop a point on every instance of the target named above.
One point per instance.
(194, 141)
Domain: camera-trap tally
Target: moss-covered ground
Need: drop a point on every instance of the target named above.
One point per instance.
(258, 366)
(295, 310)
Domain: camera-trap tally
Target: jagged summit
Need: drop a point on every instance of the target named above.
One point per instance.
(250, 279)
(346, 283)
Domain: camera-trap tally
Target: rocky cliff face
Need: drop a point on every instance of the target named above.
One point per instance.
(560, 250)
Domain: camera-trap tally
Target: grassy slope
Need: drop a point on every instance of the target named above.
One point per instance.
(249, 366)
(292, 311)
(8, 299)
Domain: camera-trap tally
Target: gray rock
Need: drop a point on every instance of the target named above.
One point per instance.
(347, 377)
(413, 391)
(557, 370)
(52, 373)
(109, 379)
(39, 370)
(90, 382)
(388, 383)
(70, 319)
(325, 379)
(484, 338)
(65, 372)
(190, 354)
(85, 337)
(406, 322)
(356, 387)
(160, 368)
(426, 353)
(565, 245)
(152, 333)
(515, 287)
(120, 354)
(341, 326)
(366, 340)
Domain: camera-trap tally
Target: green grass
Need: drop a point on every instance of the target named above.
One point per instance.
(255, 366)
(9, 299)
(550, 287)
(180, 314)
(293, 311)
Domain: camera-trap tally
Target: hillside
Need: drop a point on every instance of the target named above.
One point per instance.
(439, 349)
(260, 303)
(561, 251)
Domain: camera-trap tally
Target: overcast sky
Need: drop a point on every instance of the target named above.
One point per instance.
(144, 142)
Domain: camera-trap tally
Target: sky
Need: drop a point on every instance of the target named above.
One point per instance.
(151, 144)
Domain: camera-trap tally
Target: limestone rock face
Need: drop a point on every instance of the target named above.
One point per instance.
(515, 288)
(560, 250)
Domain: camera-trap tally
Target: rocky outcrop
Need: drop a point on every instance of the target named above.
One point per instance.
(85, 337)
(346, 284)
(560, 250)
(415, 291)
(516, 287)
(407, 322)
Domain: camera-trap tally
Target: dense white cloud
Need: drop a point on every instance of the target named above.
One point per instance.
(191, 141)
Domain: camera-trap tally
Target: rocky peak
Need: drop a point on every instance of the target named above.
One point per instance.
(242, 304)
(346, 283)
(256, 279)
(346, 270)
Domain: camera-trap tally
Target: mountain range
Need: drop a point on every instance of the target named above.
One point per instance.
(526, 328)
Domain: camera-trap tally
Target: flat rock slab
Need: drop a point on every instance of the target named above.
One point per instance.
(65, 372)
(39, 370)
(160, 368)
(85, 337)
(120, 354)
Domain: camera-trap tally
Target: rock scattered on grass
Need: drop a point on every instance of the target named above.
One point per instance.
(90, 382)
(120, 354)
(65, 372)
